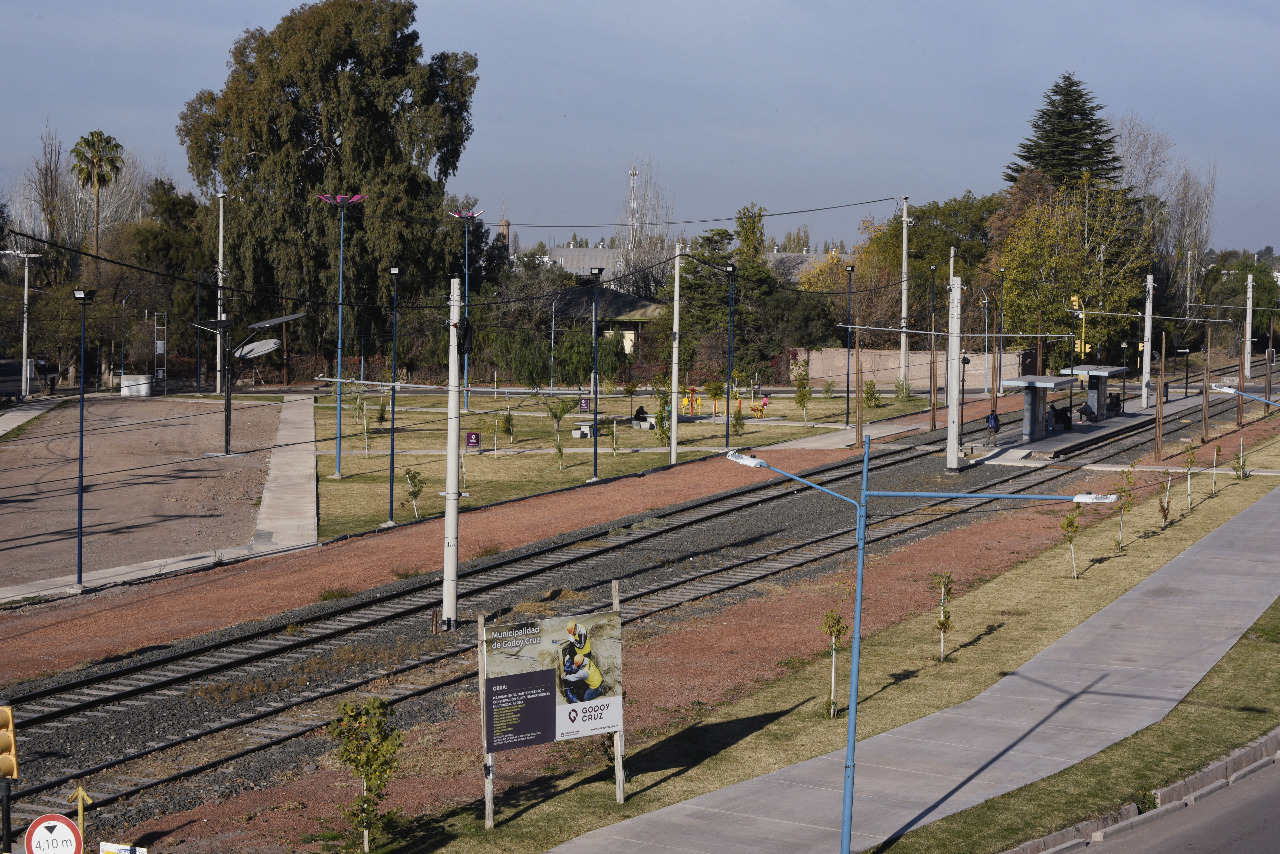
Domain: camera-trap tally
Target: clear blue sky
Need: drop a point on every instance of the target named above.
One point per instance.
(788, 105)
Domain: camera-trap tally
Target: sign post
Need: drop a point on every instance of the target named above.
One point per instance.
(80, 797)
(550, 680)
(53, 834)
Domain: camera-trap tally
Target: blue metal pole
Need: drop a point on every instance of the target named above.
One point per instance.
(466, 306)
(846, 815)
(342, 221)
(80, 479)
(391, 472)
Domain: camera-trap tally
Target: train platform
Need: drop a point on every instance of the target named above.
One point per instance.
(1120, 671)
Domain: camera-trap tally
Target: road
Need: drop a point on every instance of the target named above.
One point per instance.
(1241, 819)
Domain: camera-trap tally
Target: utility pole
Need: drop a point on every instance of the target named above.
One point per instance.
(673, 415)
(848, 341)
(1248, 330)
(26, 290)
(222, 333)
(953, 377)
(902, 345)
(933, 351)
(451, 493)
(1146, 344)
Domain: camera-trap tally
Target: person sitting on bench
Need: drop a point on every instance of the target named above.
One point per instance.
(1086, 413)
(639, 414)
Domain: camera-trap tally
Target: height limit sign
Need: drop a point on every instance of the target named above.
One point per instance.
(53, 834)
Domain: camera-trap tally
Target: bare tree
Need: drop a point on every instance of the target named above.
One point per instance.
(1144, 155)
(645, 234)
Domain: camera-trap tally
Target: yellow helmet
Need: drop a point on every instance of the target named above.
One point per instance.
(572, 628)
(577, 661)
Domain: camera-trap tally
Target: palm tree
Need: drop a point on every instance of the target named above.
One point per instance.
(97, 162)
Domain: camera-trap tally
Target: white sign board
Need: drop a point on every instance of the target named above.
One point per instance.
(552, 680)
(113, 848)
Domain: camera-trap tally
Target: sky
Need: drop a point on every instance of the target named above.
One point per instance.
(789, 105)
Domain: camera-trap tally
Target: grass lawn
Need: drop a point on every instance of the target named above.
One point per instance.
(997, 627)
(525, 462)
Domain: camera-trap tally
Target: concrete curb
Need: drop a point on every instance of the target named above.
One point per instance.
(1259, 754)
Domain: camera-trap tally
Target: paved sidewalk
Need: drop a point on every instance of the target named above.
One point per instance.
(25, 411)
(1120, 671)
(287, 516)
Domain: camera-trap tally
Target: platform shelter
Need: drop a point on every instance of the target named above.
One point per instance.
(1035, 398)
(1097, 376)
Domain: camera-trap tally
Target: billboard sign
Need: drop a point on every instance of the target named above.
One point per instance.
(552, 680)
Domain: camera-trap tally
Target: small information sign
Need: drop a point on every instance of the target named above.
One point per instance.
(53, 834)
(584, 404)
(473, 440)
(113, 848)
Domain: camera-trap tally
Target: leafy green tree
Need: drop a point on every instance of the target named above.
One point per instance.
(804, 390)
(1087, 242)
(1070, 526)
(367, 744)
(336, 99)
(942, 581)
(1070, 137)
(97, 160)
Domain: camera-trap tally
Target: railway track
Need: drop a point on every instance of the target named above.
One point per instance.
(296, 676)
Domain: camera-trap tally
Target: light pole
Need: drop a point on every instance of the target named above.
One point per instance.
(26, 288)
(732, 270)
(1186, 371)
(391, 470)
(85, 298)
(846, 824)
(342, 202)
(848, 340)
(596, 273)
(933, 351)
(466, 217)
(986, 344)
(1000, 338)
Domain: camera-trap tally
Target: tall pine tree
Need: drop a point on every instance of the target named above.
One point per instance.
(1069, 138)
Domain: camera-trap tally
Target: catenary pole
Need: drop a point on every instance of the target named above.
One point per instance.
(1248, 329)
(391, 468)
(902, 343)
(848, 341)
(673, 414)
(953, 376)
(451, 494)
(1146, 345)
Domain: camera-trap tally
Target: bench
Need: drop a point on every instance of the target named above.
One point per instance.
(582, 430)
(645, 422)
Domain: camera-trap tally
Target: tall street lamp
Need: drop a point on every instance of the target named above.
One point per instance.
(85, 298)
(466, 217)
(26, 287)
(846, 828)
(342, 202)
(391, 470)
(848, 340)
(596, 273)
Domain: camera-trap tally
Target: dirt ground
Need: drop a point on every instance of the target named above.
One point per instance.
(750, 634)
(149, 490)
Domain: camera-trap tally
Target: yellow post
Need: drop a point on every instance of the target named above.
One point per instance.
(80, 798)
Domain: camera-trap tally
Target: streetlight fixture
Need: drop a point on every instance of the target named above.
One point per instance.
(846, 828)
(246, 350)
(466, 217)
(596, 273)
(85, 298)
(342, 202)
(26, 288)
(391, 470)
(848, 340)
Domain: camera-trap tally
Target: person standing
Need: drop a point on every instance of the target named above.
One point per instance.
(993, 427)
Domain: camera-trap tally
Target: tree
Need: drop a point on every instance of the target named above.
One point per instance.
(834, 627)
(1069, 137)
(337, 98)
(97, 160)
(942, 580)
(645, 234)
(367, 744)
(1070, 525)
(1086, 242)
(804, 389)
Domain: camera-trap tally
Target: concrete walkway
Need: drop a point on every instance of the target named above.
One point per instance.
(1120, 671)
(287, 516)
(16, 416)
